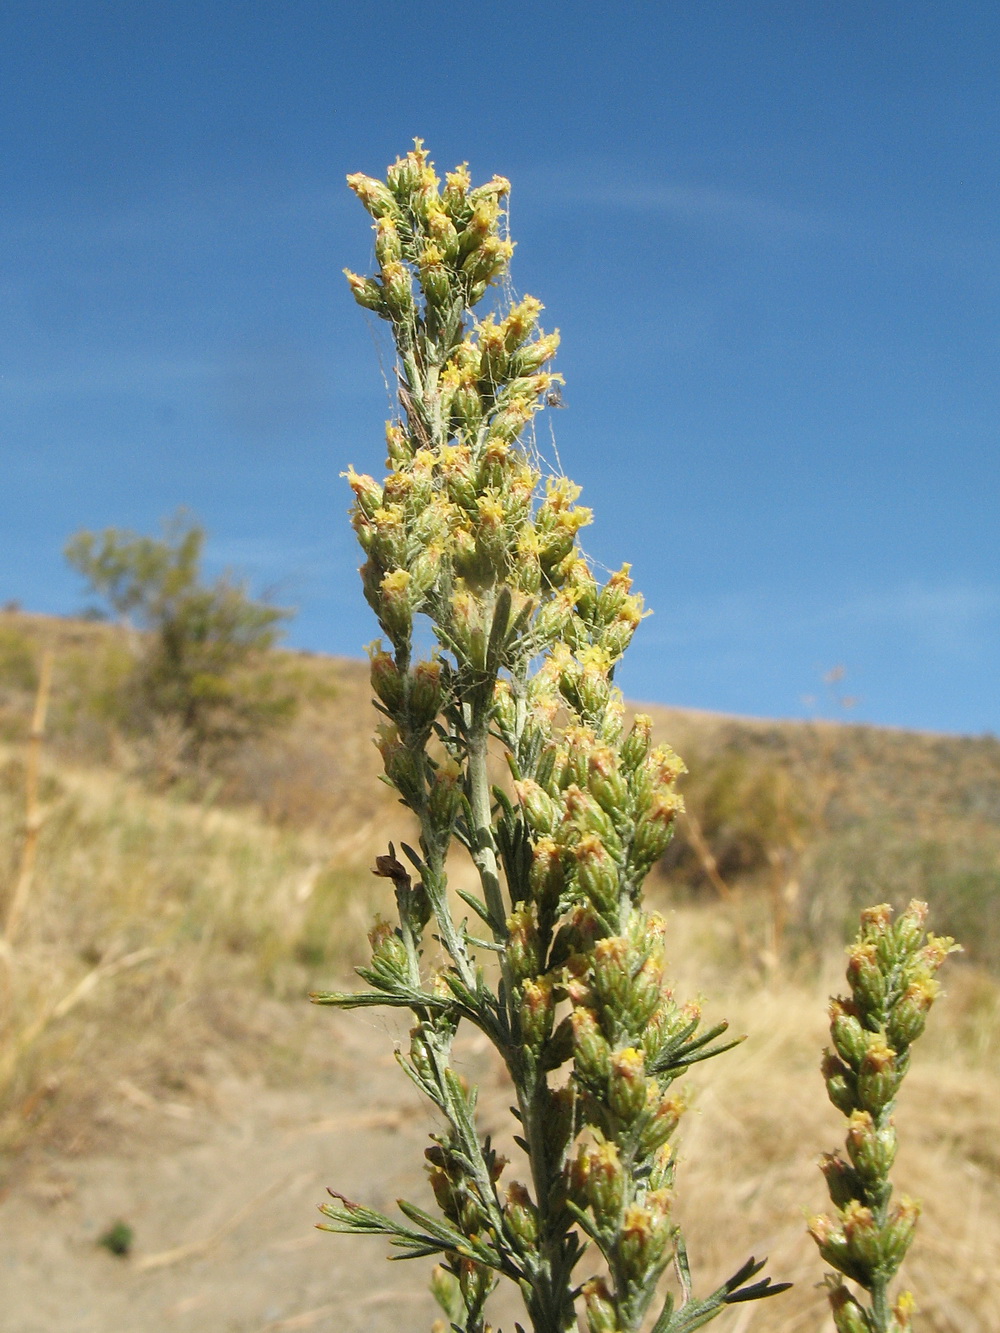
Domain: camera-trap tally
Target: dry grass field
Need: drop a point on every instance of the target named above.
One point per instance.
(159, 1063)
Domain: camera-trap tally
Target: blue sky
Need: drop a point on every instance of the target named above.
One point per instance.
(767, 232)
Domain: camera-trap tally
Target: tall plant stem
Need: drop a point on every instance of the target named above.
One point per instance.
(551, 1310)
(484, 851)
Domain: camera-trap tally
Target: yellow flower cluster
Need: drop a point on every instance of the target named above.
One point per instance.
(892, 974)
(463, 532)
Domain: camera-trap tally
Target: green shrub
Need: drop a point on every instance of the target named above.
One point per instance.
(201, 663)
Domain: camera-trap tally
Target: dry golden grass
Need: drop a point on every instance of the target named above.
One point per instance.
(748, 1172)
(165, 926)
(185, 925)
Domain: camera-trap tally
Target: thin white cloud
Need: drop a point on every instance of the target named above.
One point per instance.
(700, 204)
(949, 618)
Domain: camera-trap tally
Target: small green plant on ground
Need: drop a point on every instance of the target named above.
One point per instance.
(555, 960)
(199, 641)
(118, 1239)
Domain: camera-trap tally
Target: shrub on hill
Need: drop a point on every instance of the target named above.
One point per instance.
(192, 671)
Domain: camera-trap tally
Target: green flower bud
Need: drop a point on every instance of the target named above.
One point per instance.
(403, 766)
(436, 283)
(627, 1084)
(374, 195)
(599, 1307)
(476, 1280)
(663, 1119)
(878, 1077)
(909, 929)
(395, 611)
(591, 1052)
(467, 407)
(841, 1083)
(537, 1011)
(444, 800)
(387, 680)
(527, 360)
(645, 997)
(585, 816)
(521, 1215)
(539, 808)
(613, 595)
(604, 1182)
(420, 1060)
(493, 356)
(387, 948)
(866, 978)
(465, 626)
(493, 189)
(871, 1150)
(425, 694)
(367, 293)
(388, 248)
(403, 176)
(863, 1238)
(606, 784)
(397, 286)
(831, 1238)
(504, 707)
(397, 445)
(636, 744)
(842, 1181)
(661, 1175)
(596, 873)
(848, 1316)
(617, 636)
(849, 1037)
(645, 1235)
(552, 619)
(899, 1232)
(442, 232)
(908, 1016)
(546, 877)
(523, 949)
(485, 263)
(613, 962)
(368, 494)
(654, 829)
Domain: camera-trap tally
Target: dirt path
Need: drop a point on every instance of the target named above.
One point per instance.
(225, 1240)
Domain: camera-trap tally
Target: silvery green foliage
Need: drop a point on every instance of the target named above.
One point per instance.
(463, 531)
(891, 970)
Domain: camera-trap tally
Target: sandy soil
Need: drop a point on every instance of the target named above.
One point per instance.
(222, 1191)
(223, 1200)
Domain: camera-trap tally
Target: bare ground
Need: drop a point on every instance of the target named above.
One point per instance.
(222, 1199)
(222, 1191)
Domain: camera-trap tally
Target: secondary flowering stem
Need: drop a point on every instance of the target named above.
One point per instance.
(892, 974)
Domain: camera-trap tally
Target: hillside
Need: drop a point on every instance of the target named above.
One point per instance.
(156, 1043)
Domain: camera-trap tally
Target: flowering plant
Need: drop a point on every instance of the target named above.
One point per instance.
(554, 960)
(891, 970)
